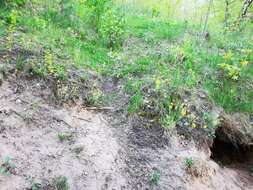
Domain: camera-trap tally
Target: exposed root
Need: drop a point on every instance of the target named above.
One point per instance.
(233, 142)
(236, 129)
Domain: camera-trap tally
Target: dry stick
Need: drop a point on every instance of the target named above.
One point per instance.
(207, 16)
(87, 120)
(99, 108)
(226, 13)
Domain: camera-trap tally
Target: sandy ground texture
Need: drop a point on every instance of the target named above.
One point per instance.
(97, 154)
(90, 157)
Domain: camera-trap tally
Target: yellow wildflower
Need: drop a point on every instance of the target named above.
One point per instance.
(183, 112)
(234, 72)
(157, 83)
(193, 125)
(223, 65)
(228, 55)
(244, 63)
(171, 106)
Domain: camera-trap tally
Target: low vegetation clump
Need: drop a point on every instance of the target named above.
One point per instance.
(189, 162)
(7, 167)
(61, 183)
(65, 137)
(158, 60)
(154, 179)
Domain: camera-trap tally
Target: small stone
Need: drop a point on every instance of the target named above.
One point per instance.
(202, 95)
(186, 123)
(251, 119)
(18, 101)
(85, 173)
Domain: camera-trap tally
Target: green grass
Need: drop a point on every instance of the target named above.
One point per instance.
(61, 183)
(154, 179)
(160, 59)
(7, 167)
(153, 28)
(188, 162)
(65, 137)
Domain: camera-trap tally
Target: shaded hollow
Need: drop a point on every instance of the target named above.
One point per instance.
(226, 152)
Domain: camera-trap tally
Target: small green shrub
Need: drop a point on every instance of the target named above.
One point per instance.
(77, 150)
(13, 2)
(64, 137)
(231, 86)
(20, 64)
(61, 183)
(189, 162)
(97, 8)
(154, 179)
(95, 96)
(35, 185)
(46, 67)
(12, 23)
(112, 28)
(175, 111)
(136, 101)
(7, 166)
(155, 12)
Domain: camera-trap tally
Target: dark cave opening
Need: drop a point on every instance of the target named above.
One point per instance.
(227, 153)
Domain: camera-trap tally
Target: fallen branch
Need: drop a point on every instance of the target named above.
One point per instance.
(87, 120)
(99, 108)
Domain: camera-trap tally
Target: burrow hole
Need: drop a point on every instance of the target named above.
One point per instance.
(227, 153)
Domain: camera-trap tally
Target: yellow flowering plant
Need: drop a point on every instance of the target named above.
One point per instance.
(244, 63)
(231, 71)
(228, 55)
(235, 63)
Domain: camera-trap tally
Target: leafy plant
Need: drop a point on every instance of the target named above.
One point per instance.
(13, 2)
(61, 183)
(96, 95)
(189, 162)
(20, 65)
(77, 150)
(97, 8)
(154, 179)
(64, 137)
(112, 28)
(53, 68)
(136, 101)
(36, 186)
(7, 167)
(12, 23)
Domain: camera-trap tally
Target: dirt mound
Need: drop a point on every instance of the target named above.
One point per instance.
(41, 141)
(45, 142)
(180, 165)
